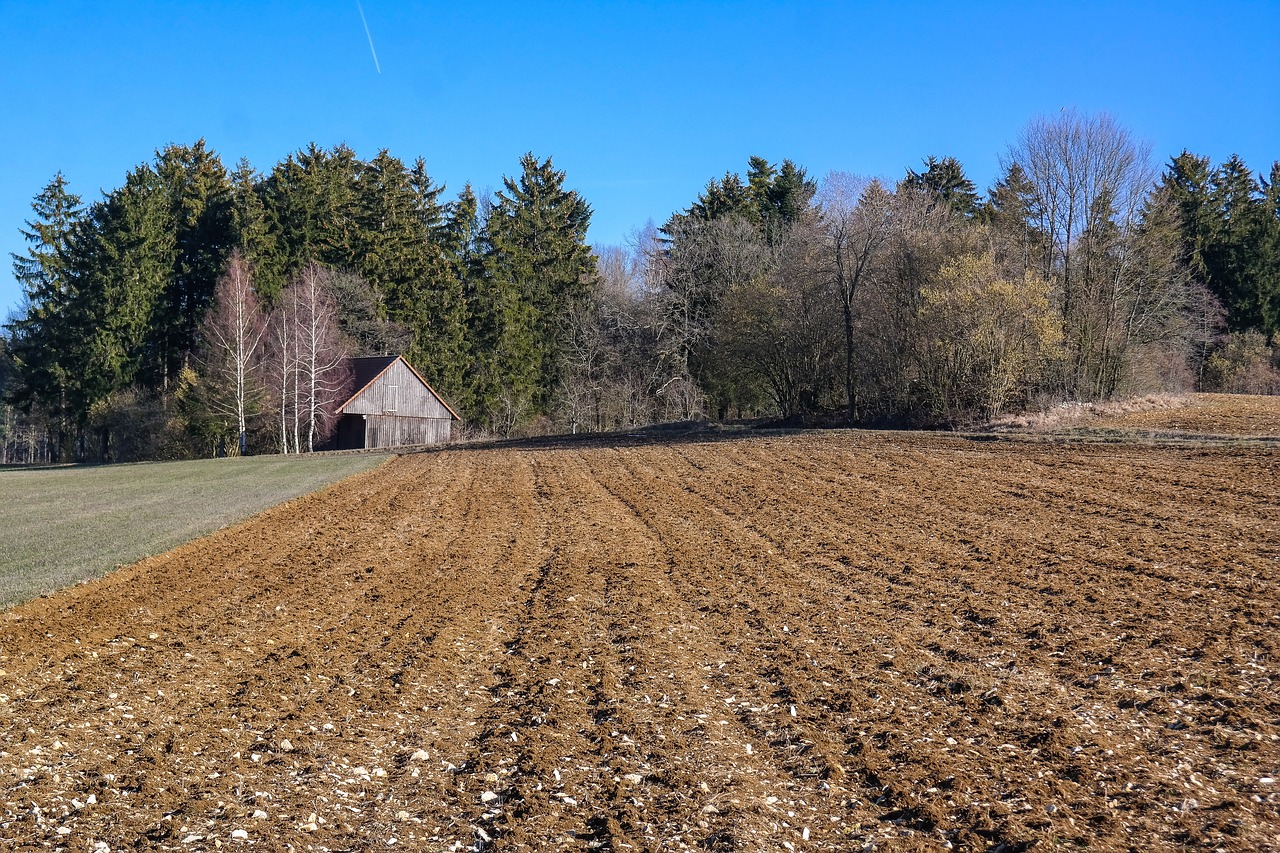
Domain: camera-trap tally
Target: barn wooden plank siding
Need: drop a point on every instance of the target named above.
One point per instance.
(391, 405)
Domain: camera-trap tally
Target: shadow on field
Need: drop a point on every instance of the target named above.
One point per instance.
(710, 432)
(683, 432)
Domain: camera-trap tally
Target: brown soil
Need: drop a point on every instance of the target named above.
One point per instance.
(815, 642)
(1206, 414)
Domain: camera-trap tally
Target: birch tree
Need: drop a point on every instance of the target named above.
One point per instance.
(321, 357)
(233, 336)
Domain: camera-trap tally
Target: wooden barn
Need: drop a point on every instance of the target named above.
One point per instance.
(391, 405)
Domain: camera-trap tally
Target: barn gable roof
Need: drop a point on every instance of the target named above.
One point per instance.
(365, 370)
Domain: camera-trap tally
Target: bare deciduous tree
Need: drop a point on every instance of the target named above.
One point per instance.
(1091, 179)
(779, 324)
(703, 261)
(322, 356)
(858, 216)
(282, 364)
(308, 360)
(233, 335)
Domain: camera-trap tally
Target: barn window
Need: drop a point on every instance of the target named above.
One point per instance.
(392, 399)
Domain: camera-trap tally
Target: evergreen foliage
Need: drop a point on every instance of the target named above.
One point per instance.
(1229, 223)
(534, 270)
(726, 239)
(39, 337)
(918, 303)
(945, 181)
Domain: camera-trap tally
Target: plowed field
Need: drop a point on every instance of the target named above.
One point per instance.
(813, 642)
(1207, 414)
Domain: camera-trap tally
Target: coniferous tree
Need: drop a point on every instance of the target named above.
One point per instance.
(1010, 212)
(536, 270)
(1232, 257)
(1228, 224)
(403, 253)
(199, 195)
(1268, 264)
(789, 198)
(122, 263)
(40, 338)
(946, 181)
(1187, 184)
(312, 201)
(726, 238)
(253, 230)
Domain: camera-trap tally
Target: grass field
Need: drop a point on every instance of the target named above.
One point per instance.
(63, 525)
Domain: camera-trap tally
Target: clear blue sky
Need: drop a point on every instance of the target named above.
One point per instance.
(641, 103)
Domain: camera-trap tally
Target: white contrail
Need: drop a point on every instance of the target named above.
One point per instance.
(369, 36)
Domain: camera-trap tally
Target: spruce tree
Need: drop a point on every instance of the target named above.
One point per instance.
(791, 193)
(946, 181)
(536, 271)
(1011, 211)
(1231, 256)
(202, 223)
(253, 234)
(1268, 261)
(1187, 182)
(312, 203)
(39, 336)
(402, 229)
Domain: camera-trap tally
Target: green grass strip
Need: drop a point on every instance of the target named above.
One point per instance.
(60, 526)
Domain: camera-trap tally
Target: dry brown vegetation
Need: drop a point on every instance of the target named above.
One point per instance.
(1206, 414)
(810, 642)
(1173, 415)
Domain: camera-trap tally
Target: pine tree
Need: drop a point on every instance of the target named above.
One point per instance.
(946, 181)
(39, 340)
(199, 193)
(536, 270)
(42, 272)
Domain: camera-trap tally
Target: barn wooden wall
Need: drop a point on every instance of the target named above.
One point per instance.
(414, 399)
(393, 431)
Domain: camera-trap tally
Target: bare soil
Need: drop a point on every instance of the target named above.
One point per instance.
(807, 642)
(1206, 414)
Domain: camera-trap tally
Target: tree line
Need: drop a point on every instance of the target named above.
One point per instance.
(120, 342)
(1084, 272)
